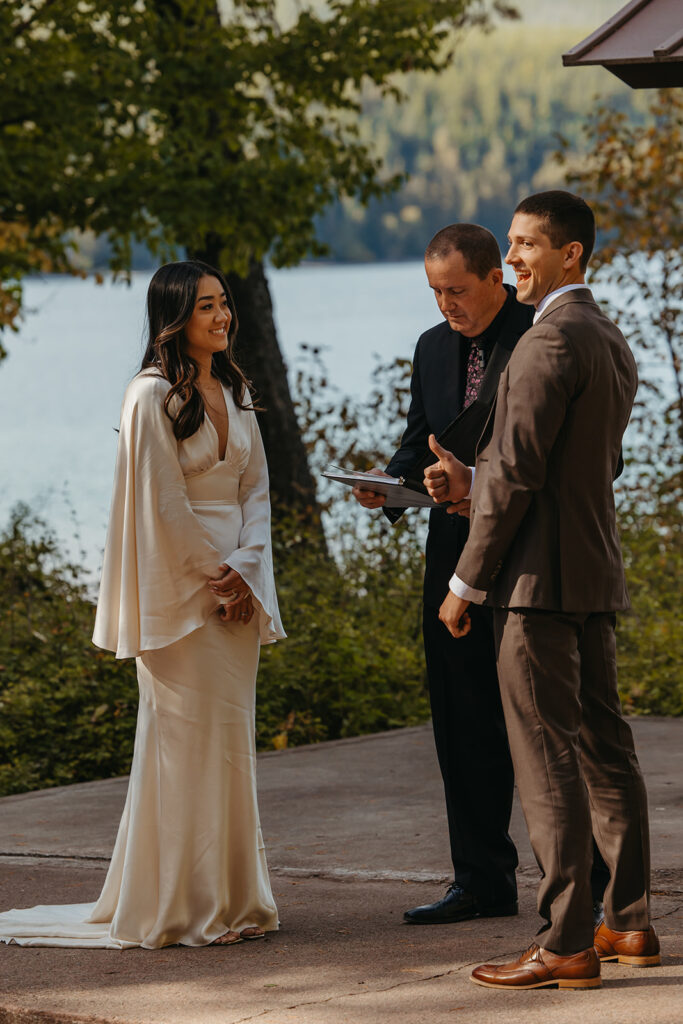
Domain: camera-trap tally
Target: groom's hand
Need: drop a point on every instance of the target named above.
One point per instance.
(453, 614)
(463, 508)
(448, 479)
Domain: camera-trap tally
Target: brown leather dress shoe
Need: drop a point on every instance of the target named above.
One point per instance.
(636, 948)
(539, 968)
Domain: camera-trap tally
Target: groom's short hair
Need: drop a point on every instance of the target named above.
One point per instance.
(564, 218)
(477, 246)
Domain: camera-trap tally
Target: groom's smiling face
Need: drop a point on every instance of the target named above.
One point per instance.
(538, 267)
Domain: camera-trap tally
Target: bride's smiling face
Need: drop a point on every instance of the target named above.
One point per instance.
(206, 331)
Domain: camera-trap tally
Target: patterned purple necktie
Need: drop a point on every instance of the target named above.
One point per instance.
(475, 372)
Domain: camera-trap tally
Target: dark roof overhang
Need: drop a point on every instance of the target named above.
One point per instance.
(642, 44)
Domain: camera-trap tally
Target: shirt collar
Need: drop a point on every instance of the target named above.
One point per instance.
(551, 296)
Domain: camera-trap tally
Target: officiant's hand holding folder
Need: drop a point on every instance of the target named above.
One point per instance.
(408, 491)
(395, 489)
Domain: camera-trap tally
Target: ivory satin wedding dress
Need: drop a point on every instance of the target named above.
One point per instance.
(188, 862)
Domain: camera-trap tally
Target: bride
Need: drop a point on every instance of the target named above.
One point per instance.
(188, 591)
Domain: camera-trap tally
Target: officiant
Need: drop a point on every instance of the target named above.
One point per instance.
(456, 367)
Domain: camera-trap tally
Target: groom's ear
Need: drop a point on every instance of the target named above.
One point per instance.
(573, 253)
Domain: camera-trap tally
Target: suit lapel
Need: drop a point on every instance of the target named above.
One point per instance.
(498, 360)
(487, 430)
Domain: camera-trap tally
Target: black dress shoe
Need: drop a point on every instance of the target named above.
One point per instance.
(457, 905)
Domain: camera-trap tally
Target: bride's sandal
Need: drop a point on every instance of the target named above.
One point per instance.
(252, 933)
(228, 939)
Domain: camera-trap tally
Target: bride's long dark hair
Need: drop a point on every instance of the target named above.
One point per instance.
(171, 300)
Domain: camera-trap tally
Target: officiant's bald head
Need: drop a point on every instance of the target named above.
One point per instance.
(463, 266)
(476, 244)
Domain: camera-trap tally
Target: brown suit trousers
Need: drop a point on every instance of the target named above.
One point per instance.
(575, 768)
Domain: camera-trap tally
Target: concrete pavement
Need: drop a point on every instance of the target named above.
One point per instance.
(355, 833)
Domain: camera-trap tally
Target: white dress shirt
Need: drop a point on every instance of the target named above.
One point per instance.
(459, 588)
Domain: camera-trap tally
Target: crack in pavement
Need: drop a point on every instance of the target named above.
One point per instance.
(32, 854)
(658, 917)
(332, 874)
(374, 991)
(327, 874)
(360, 875)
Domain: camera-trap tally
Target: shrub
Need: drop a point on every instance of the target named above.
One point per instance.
(353, 662)
(650, 636)
(67, 709)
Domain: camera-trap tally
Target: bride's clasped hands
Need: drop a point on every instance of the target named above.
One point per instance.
(237, 604)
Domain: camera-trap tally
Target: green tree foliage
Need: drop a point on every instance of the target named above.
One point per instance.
(65, 141)
(67, 709)
(650, 635)
(154, 121)
(353, 659)
(633, 176)
(353, 663)
(223, 136)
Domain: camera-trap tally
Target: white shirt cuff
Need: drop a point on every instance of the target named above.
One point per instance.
(473, 471)
(467, 593)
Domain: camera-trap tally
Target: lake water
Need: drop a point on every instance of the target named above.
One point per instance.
(80, 343)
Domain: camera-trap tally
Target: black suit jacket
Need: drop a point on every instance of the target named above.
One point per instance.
(437, 389)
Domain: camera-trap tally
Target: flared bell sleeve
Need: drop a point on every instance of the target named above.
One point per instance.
(253, 559)
(158, 556)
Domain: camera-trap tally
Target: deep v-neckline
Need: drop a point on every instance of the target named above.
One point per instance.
(221, 458)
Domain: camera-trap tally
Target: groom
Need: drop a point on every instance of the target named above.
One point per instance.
(543, 549)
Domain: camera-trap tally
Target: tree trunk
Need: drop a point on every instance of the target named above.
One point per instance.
(258, 354)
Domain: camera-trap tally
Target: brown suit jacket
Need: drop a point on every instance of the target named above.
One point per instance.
(543, 532)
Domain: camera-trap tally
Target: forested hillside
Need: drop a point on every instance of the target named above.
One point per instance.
(474, 139)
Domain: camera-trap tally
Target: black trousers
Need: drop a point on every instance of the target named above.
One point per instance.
(473, 753)
(474, 757)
